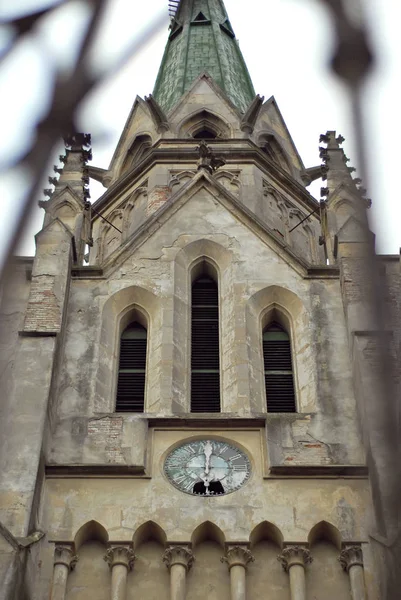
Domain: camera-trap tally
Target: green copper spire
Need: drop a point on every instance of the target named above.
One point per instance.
(201, 39)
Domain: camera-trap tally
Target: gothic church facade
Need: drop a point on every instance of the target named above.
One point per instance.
(180, 417)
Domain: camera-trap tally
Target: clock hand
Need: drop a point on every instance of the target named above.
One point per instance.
(208, 449)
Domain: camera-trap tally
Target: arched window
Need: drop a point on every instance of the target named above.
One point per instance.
(274, 151)
(279, 377)
(132, 369)
(139, 149)
(205, 360)
(205, 134)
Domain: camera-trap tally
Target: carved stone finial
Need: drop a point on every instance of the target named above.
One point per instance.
(351, 556)
(64, 555)
(120, 555)
(207, 160)
(237, 555)
(249, 118)
(294, 555)
(181, 555)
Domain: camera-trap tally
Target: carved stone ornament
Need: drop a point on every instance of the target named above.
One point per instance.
(351, 557)
(294, 555)
(178, 555)
(120, 555)
(64, 555)
(207, 160)
(238, 555)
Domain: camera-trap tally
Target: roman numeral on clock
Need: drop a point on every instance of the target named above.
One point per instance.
(239, 467)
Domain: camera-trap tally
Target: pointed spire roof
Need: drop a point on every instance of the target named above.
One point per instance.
(202, 40)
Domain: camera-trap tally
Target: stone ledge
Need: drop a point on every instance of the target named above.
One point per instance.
(324, 271)
(94, 272)
(318, 471)
(72, 471)
(217, 421)
(38, 333)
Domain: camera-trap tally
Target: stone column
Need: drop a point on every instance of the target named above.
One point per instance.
(121, 560)
(294, 560)
(237, 559)
(351, 561)
(179, 560)
(64, 561)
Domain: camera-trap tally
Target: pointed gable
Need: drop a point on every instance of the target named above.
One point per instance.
(270, 122)
(210, 209)
(139, 123)
(206, 95)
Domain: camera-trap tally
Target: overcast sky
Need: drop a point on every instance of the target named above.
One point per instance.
(286, 44)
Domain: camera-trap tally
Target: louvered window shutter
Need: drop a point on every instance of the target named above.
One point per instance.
(132, 369)
(205, 362)
(278, 370)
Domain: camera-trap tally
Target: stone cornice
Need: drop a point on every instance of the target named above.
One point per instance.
(182, 151)
(319, 471)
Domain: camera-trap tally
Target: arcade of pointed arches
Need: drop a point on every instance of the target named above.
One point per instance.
(265, 556)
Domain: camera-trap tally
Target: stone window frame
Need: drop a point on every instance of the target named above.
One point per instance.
(204, 266)
(280, 315)
(131, 315)
(122, 307)
(285, 303)
(185, 269)
(204, 119)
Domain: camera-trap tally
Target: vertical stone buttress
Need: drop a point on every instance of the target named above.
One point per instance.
(69, 200)
(372, 358)
(28, 401)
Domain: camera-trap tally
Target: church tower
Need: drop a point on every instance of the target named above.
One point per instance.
(181, 418)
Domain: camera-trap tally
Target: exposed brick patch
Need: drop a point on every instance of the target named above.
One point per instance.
(157, 197)
(106, 433)
(308, 453)
(43, 310)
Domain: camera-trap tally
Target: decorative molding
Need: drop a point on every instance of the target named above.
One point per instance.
(157, 114)
(317, 470)
(120, 555)
(237, 556)
(351, 556)
(64, 555)
(178, 555)
(294, 555)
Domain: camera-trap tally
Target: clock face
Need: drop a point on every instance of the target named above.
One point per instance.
(207, 467)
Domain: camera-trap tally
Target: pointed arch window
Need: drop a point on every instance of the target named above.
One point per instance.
(205, 358)
(132, 369)
(205, 134)
(279, 377)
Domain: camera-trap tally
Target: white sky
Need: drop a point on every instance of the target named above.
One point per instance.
(286, 44)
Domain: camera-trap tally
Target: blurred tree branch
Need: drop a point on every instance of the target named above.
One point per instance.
(68, 93)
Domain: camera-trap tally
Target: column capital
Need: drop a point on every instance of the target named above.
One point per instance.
(65, 555)
(178, 555)
(351, 556)
(294, 555)
(120, 555)
(237, 555)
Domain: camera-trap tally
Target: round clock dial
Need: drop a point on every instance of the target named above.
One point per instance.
(207, 467)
